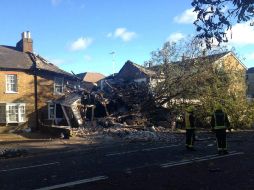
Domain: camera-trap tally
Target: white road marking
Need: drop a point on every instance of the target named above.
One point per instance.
(221, 156)
(199, 159)
(161, 147)
(98, 178)
(140, 150)
(122, 153)
(27, 167)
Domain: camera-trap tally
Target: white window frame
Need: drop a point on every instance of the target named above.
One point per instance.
(21, 112)
(51, 106)
(56, 79)
(8, 83)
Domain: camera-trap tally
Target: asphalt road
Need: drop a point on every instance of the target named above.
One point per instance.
(139, 165)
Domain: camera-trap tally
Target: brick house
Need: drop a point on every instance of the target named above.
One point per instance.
(29, 84)
(227, 61)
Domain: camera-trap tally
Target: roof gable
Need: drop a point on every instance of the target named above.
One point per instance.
(134, 70)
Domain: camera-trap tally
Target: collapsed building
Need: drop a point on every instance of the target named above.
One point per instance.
(123, 99)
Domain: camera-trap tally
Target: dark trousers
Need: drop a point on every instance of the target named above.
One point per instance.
(221, 139)
(190, 137)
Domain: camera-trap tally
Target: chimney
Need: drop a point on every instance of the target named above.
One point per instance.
(26, 42)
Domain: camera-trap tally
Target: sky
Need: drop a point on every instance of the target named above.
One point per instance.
(80, 35)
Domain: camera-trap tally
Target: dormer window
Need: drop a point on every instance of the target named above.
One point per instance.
(11, 83)
(58, 85)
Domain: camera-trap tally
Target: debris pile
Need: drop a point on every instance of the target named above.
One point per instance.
(12, 153)
(128, 134)
(132, 104)
(119, 109)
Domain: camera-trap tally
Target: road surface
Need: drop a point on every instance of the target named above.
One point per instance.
(139, 165)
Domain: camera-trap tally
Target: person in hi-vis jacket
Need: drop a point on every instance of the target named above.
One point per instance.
(220, 124)
(189, 121)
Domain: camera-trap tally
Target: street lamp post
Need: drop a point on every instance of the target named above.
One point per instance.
(113, 61)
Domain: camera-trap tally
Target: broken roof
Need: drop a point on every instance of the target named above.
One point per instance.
(91, 77)
(68, 99)
(11, 58)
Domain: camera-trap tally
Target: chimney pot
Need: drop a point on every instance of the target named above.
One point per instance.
(28, 34)
(26, 43)
(24, 35)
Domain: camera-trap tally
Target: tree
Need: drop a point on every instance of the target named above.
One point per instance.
(180, 74)
(215, 17)
(188, 77)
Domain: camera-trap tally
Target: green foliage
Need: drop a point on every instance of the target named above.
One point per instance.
(215, 17)
(200, 81)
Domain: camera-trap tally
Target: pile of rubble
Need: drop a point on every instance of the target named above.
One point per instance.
(128, 134)
(126, 110)
(12, 153)
(129, 104)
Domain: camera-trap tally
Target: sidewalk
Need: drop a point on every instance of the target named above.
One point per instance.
(13, 145)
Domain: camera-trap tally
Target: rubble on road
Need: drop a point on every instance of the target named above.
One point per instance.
(128, 134)
(12, 153)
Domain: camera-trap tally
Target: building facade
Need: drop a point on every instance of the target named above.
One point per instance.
(30, 84)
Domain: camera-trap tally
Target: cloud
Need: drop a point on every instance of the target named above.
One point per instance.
(55, 2)
(187, 17)
(123, 34)
(242, 34)
(175, 37)
(81, 43)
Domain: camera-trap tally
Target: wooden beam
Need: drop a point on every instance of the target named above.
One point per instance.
(66, 116)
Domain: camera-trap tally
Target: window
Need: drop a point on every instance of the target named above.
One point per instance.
(12, 113)
(55, 111)
(11, 84)
(22, 113)
(51, 111)
(58, 85)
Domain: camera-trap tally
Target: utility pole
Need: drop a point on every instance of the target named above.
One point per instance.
(113, 61)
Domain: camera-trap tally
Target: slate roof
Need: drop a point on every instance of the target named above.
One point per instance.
(250, 70)
(11, 58)
(69, 99)
(146, 71)
(91, 77)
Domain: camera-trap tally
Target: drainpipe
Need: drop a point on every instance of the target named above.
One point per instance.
(35, 90)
